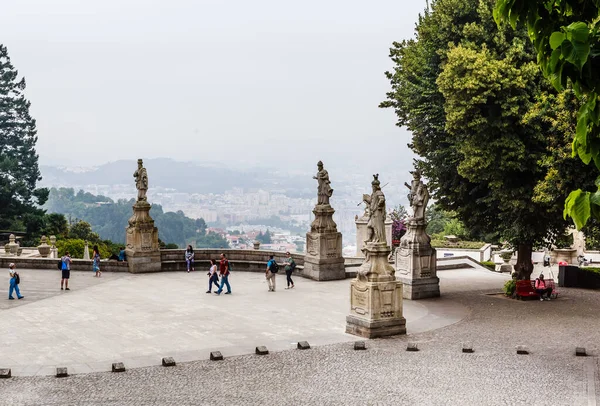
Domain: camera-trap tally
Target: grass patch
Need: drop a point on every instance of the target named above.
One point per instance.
(489, 264)
(470, 245)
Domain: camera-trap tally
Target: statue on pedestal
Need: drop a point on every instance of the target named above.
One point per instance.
(376, 213)
(416, 259)
(323, 260)
(141, 236)
(324, 190)
(375, 294)
(141, 181)
(418, 196)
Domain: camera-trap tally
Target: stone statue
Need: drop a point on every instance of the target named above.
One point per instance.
(141, 181)
(324, 190)
(376, 213)
(418, 196)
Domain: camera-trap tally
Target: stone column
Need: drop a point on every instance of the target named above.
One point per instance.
(376, 296)
(416, 262)
(143, 254)
(323, 260)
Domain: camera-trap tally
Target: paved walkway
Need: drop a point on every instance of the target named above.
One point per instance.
(439, 374)
(138, 319)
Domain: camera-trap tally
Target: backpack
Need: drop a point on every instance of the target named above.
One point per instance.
(59, 264)
(17, 278)
(293, 265)
(229, 267)
(274, 268)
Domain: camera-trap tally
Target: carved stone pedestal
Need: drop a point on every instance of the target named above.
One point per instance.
(416, 263)
(142, 250)
(323, 260)
(375, 297)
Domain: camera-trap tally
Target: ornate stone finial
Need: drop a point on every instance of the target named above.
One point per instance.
(320, 163)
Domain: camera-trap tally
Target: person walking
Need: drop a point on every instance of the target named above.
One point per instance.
(96, 262)
(189, 258)
(289, 269)
(213, 276)
(66, 271)
(271, 272)
(14, 283)
(224, 273)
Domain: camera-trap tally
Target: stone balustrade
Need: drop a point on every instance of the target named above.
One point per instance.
(241, 260)
(174, 260)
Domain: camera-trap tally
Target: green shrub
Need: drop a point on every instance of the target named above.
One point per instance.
(489, 264)
(472, 245)
(76, 247)
(591, 269)
(509, 287)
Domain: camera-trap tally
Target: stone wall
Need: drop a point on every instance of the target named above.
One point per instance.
(241, 260)
(51, 264)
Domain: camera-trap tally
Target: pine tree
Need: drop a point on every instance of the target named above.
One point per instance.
(19, 171)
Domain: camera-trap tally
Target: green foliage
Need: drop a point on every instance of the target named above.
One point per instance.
(171, 246)
(82, 230)
(468, 91)
(19, 172)
(591, 269)
(509, 287)
(264, 238)
(489, 264)
(108, 219)
(76, 247)
(212, 240)
(566, 37)
(470, 245)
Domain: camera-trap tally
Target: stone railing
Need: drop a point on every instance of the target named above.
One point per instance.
(51, 263)
(241, 260)
(174, 260)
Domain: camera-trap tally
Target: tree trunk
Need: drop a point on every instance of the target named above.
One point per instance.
(524, 266)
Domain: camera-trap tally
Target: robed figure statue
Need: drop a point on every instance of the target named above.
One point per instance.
(324, 189)
(141, 181)
(376, 213)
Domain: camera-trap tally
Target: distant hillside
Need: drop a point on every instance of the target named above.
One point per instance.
(182, 176)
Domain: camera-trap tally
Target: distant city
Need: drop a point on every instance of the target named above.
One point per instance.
(238, 213)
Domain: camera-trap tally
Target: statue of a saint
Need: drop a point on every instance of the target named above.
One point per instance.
(324, 189)
(418, 196)
(141, 181)
(376, 213)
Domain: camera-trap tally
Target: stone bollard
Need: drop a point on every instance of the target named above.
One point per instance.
(256, 245)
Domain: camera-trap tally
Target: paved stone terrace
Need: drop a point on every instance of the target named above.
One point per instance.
(138, 319)
(439, 374)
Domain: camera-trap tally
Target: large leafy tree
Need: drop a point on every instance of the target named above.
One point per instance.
(19, 172)
(566, 36)
(464, 87)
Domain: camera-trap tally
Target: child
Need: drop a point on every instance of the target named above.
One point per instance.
(96, 262)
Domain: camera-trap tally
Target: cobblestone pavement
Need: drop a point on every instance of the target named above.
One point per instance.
(439, 374)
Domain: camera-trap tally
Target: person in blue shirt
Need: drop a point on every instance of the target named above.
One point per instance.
(271, 272)
(122, 254)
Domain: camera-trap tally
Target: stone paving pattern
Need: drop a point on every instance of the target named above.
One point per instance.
(439, 374)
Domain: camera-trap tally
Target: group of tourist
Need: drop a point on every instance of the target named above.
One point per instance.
(218, 275)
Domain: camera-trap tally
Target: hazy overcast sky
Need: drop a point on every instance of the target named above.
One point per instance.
(237, 80)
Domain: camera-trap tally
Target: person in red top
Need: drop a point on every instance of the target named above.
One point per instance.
(224, 272)
(540, 287)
